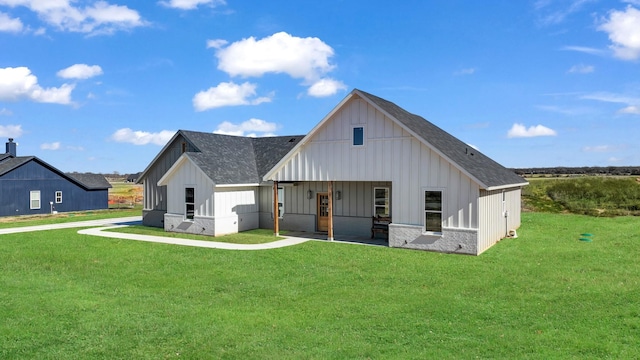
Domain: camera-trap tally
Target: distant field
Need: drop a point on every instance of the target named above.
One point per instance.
(123, 194)
(592, 195)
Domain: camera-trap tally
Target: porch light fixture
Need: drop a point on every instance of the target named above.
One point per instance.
(338, 195)
(309, 194)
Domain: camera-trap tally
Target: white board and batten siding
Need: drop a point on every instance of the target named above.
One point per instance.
(189, 175)
(236, 209)
(499, 213)
(389, 153)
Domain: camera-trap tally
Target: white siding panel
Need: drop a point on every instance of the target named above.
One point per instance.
(189, 175)
(389, 154)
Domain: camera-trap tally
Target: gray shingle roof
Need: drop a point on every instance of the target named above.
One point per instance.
(9, 163)
(87, 181)
(488, 172)
(230, 159)
(90, 181)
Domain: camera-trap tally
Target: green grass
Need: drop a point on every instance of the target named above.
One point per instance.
(29, 220)
(596, 196)
(256, 236)
(543, 295)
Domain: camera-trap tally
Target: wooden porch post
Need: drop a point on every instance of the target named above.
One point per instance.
(330, 220)
(276, 225)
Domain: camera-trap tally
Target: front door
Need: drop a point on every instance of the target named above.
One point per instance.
(323, 212)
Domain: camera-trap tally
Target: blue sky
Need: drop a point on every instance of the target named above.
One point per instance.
(100, 86)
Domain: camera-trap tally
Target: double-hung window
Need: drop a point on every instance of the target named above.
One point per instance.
(34, 199)
(189, 203)
(433, 211)
(381, 201)
(58, 197)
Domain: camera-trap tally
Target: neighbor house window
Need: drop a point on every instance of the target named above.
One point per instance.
(280, 202)
(433, 211)
(58, 197)
(358, 136)
(189, 203)
(34, 199)
(381, 201)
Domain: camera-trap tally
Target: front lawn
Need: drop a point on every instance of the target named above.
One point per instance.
(543, 295)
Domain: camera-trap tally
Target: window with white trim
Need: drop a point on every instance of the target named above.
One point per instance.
(358, 136)
(381, 201)
(34, 199)
(433, 211)
(58, 197)
(189, 203)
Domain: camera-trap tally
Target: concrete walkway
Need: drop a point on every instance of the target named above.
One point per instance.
(70, 225)
(106, 224)
(101, 227)
(102, 231)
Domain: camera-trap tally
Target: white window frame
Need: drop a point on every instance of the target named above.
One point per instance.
(187, 216)
(353, 137)
(34, 200)
(280, 202)
(58, 197)
(426, 211)
(387, 205)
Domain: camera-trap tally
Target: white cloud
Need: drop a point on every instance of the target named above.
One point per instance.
(614, 160)
(519, 130)
(126, 135)
(9, 24)
(632, 103)
(582, 69)
(630, 110)
(247, 128)
(623, 28)
(80, 71)
(301, 58)
(50, 146)
(190, 4)
(467, 71)
(98, 18)
(583, 49)
(325, 87)
(19, 83)
(598, 148)
(228, 94)
(281, 53)
(216, 43)
(5, 112)
(557, 14)
(12, 131)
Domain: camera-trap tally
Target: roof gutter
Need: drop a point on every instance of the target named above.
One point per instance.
(508, 186)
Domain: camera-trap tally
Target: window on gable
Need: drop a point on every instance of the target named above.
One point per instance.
(189, 203)
(381, 201)
(433, 211)
(58, 197)
(358, 136)
(34, 199)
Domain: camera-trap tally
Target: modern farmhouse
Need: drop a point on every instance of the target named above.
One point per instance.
(367, 159)
(29, 186)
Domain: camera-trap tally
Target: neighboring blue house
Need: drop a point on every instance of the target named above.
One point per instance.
(29, 186)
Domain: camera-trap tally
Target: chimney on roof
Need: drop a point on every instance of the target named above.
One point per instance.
(11, 148)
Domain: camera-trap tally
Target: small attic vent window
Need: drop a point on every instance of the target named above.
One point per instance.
(292, 140)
